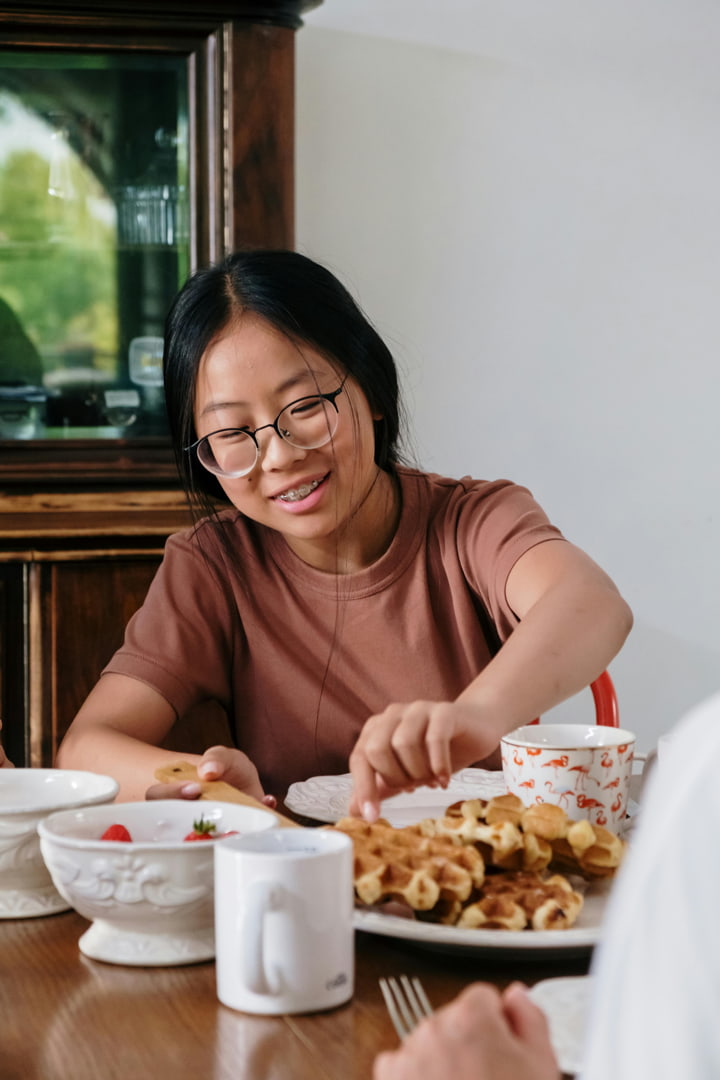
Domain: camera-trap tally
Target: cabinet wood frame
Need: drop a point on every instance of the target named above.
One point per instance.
(241, 70)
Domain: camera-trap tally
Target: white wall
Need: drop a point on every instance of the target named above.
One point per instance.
(539, 245)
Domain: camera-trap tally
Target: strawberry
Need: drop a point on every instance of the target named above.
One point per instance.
(117, 832)
(202, 830)
(207, 830)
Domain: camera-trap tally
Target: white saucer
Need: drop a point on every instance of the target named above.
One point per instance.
(326, 798)
(31, 903)
(566, 1002)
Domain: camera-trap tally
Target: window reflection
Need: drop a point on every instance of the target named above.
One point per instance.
(93, 239)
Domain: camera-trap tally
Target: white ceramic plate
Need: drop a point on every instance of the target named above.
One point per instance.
(566, 1003)
(326, 798)
(578, 940)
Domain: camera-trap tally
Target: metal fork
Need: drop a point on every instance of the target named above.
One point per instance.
(406, 1002)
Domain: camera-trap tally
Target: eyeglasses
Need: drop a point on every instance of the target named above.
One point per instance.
(307, 423)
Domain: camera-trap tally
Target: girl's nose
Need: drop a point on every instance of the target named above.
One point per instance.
(276, 452)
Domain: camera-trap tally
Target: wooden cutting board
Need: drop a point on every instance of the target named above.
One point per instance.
(183, 772)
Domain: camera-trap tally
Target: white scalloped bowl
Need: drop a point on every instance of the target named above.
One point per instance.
(26, 797)
(150, 900)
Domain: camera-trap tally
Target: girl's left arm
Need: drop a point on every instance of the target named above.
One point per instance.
(573, 621)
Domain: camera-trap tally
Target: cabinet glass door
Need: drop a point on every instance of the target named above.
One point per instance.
(94, 239)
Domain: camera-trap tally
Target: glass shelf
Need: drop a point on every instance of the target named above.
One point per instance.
(94, 238)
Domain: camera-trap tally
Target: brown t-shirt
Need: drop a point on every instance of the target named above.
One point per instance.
(300, 658)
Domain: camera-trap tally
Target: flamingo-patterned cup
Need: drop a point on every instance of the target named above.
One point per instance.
(584, 769)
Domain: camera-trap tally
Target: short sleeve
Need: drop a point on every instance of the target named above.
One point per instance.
(181, 640)
(496, 523)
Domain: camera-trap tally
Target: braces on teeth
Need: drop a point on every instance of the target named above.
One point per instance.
(299, 493)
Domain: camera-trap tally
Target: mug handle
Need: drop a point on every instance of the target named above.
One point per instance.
(263, 897)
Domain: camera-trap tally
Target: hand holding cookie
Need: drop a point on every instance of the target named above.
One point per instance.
(219, 763)
(183, 778)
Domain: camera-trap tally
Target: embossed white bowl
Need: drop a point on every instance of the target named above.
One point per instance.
(26, 797)
(150, 900)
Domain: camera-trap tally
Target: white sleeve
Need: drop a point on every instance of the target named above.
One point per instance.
(656, 997)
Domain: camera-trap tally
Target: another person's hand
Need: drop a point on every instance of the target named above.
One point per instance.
(5, 762)
(420, 742)
(481, 1035)
(218, 763)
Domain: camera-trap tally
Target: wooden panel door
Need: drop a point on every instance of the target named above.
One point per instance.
(13, 680)
(78, 610)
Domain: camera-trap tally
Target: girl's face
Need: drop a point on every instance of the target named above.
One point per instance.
(246, 376)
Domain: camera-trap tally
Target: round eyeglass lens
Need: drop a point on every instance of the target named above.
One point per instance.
(228, 453)
(308, 423)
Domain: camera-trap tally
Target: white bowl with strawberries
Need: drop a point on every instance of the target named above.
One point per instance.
(143, 874)
(26, 797)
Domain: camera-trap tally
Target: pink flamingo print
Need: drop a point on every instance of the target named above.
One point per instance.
(533, 751)
(562, 796)
(615, 807)
(517, 759)
(582, 774)
(606, 761)
(527, 783)
(584, 803)
(613, 783)
(556, 763)
(600, 819)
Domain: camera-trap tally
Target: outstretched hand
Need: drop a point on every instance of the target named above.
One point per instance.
(420, 742)
(481, 1035)
(218, 763)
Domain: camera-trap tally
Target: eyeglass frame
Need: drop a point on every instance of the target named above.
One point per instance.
(331, 397)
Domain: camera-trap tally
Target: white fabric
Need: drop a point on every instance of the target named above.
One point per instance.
(656, 1004)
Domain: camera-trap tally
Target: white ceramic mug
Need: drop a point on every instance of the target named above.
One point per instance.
(585, 769)
(284, 934)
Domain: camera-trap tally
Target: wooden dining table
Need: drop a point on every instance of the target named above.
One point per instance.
(66, 1017)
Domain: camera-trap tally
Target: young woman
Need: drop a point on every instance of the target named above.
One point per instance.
(342, 608)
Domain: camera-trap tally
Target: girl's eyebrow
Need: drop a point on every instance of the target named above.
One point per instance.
(287, 384)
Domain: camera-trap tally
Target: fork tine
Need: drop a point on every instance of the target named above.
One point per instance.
(417, 997)
(406, 1002)
(402, 1024)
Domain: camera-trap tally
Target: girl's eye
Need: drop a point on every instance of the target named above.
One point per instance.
(305, 407)
(231, 435)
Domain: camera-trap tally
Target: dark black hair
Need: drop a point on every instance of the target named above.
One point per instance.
(299, 298)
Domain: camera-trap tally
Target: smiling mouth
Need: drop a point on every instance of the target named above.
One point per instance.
(302, 492)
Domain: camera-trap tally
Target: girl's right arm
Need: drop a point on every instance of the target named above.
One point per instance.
(118, 730)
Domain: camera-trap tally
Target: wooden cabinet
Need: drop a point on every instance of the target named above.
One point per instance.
(84, 513)
(13, 680)
(70, 578)
(78, 606)
(178, 117)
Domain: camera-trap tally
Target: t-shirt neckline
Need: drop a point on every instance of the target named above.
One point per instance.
(380, 574)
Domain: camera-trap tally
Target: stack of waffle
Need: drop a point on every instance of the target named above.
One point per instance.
(490, 864)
